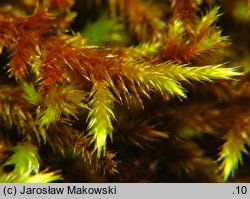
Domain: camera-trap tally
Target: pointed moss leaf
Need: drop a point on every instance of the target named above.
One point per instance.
(231, 152)
(73, 100)
(153, 77)
(41, 177)
(208, 20)
(31, 94)
(211, 42)
(176, 30)
(27, 177)
(100, 116)
(166, 77)
(67, 100)
(51, 115)
(25, 159)
(164, 84)
(146, 49)
(203, 73)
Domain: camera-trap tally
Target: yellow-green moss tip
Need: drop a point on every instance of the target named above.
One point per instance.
(100, 116)
(30, 93)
